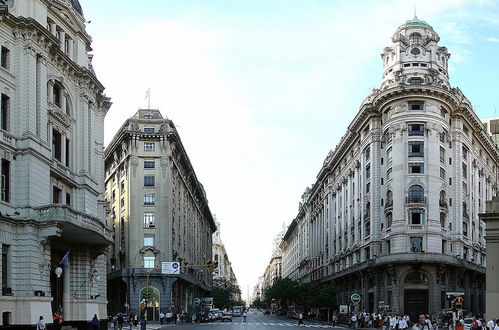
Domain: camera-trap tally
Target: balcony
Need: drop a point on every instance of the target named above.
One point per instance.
(7, 138)
(77, 227)
(415, 200)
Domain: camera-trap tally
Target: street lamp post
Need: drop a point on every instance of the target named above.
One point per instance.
(147, 291)
(58, 273)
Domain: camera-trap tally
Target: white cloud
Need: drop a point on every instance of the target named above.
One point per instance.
(492, 39)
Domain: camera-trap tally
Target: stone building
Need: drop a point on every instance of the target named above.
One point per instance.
(224, 270)
(52, 169)
(393, 215)
(159, 213)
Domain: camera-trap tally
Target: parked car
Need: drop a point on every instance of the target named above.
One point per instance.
(226, 316)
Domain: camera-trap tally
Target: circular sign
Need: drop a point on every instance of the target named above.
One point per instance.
(355, 298)
(197, 301)
(174, 265)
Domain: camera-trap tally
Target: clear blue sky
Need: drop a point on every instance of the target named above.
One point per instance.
(261, 90)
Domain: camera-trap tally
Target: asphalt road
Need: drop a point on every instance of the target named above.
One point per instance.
(253, 322)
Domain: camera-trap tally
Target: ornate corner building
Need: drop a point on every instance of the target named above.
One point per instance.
(159, 213)
(393, 215)
(52, 208)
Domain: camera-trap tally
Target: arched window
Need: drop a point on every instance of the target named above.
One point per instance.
(416, 194)
(389, 198)
(416, 277)
(415, 38)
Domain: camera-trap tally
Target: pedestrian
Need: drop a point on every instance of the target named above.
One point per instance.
(95, 322)
(120, 321)
(497, 325)
(422, 324)
(335, 319)
(143, 323)
(244, 316)
(40, 325)
(353, 321)
(161, 318)
(300, 319)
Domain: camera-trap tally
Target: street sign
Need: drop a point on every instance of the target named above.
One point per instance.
(355, 298)
(196, 301)
(170, 268)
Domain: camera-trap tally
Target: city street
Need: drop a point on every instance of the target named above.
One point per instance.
(253, 321)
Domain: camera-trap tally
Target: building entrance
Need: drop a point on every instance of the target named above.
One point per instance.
(415, 303)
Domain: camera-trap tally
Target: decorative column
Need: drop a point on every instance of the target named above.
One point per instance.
(491, 218)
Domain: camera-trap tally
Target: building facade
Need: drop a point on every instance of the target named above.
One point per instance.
(224, 270)
(159, 213)
(393, 215)
(52, 208)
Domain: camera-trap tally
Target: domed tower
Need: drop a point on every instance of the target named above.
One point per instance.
(415, 57)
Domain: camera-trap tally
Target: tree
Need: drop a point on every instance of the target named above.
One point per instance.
(224, 292)
(283, 290)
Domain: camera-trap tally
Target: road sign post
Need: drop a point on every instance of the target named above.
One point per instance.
(170, 268)
(355, 298)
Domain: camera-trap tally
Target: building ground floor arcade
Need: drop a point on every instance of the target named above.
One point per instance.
(412, 286)
(168, 293)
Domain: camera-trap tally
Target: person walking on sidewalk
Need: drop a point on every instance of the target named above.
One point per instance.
(300, 319)
(353, 320)
(40, 325)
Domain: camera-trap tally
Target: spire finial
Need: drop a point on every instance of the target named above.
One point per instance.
(415, 16)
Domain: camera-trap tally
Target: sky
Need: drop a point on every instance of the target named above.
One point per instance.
(261, 90)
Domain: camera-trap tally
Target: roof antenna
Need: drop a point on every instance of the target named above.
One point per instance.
(415, 16)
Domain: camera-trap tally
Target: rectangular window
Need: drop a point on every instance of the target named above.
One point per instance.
(5, 180)
(442, 173)
(56, 145)
(465, 229)
(148, 129)
(389, 174)
(122, 203)
(416, 244)
(5, 270)
(122, 186)
(4, 119)
(367, 154)
(416, 149)
(56, 195)
(444, 243)
(465, 253)
(416, 168)
(415, 105)
(416, 217)
(416, 129)
(389, 154)
(442, 155)
(5, 58)
(149, 146)
(389, 218)
(67, 152)
(68, 199)
(148, 116)
(465, 153)
(465, 171)
(149, 199)
(368, 172)
(441, 137)
(149, 240)
(388, 247)
(149, 220)
(149, 180)
(149, 164)
(148, 262)
(368, 187)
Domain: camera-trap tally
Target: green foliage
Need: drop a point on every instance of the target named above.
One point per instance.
(286, 291)
(224, 292)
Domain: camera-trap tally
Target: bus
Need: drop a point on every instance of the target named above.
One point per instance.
(237, 310)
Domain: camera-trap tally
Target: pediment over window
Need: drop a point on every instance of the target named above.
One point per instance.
(151, 249)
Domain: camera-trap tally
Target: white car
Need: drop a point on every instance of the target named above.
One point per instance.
(467, 323)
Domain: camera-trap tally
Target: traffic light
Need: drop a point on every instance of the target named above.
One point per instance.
(208, 264)
(459, 301)
(215, 264)
(144, 296)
